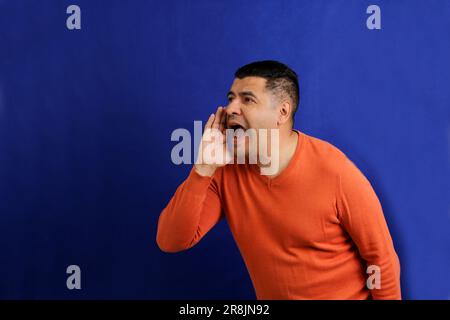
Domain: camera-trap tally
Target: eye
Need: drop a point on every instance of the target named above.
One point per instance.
(247, 99)
(230, 99)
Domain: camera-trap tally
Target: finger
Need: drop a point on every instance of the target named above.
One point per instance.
(223, 120)
(216, 121)
(210, 121)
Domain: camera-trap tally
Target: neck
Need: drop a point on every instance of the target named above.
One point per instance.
(288, 139)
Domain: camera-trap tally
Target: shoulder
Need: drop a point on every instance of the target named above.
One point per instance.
(330, 159)
(322, 151)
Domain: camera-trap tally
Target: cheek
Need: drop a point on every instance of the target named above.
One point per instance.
(262, 119)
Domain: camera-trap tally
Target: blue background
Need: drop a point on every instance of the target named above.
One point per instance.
(86, 118)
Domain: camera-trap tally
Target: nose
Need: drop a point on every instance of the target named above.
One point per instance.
(233, 108)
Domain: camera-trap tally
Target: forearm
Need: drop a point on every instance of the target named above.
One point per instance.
(181, 224)
(383, 272)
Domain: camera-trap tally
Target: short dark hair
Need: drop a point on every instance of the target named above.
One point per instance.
(281, 79)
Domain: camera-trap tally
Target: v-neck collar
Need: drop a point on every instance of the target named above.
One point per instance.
(287, 171)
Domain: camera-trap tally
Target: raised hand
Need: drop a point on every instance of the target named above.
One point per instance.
(213, 152)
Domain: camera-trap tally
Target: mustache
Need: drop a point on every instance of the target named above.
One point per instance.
(233, 123)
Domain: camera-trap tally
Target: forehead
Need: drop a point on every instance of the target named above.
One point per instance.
(254, 84)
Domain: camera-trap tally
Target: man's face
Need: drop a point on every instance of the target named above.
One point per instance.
(251, 106)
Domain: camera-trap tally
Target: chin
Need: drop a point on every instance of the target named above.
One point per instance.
(241, 148)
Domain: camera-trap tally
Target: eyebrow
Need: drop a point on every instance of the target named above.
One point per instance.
(243, 93)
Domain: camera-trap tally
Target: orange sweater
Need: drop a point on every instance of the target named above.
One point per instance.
(308, 233)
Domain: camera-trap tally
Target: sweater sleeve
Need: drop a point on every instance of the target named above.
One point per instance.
(361, 215)
(193, 210)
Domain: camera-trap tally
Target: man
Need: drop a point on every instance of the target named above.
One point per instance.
(310, 230)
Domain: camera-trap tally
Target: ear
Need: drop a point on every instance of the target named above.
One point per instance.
(284, 112)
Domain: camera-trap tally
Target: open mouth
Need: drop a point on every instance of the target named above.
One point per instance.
(235, 127)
